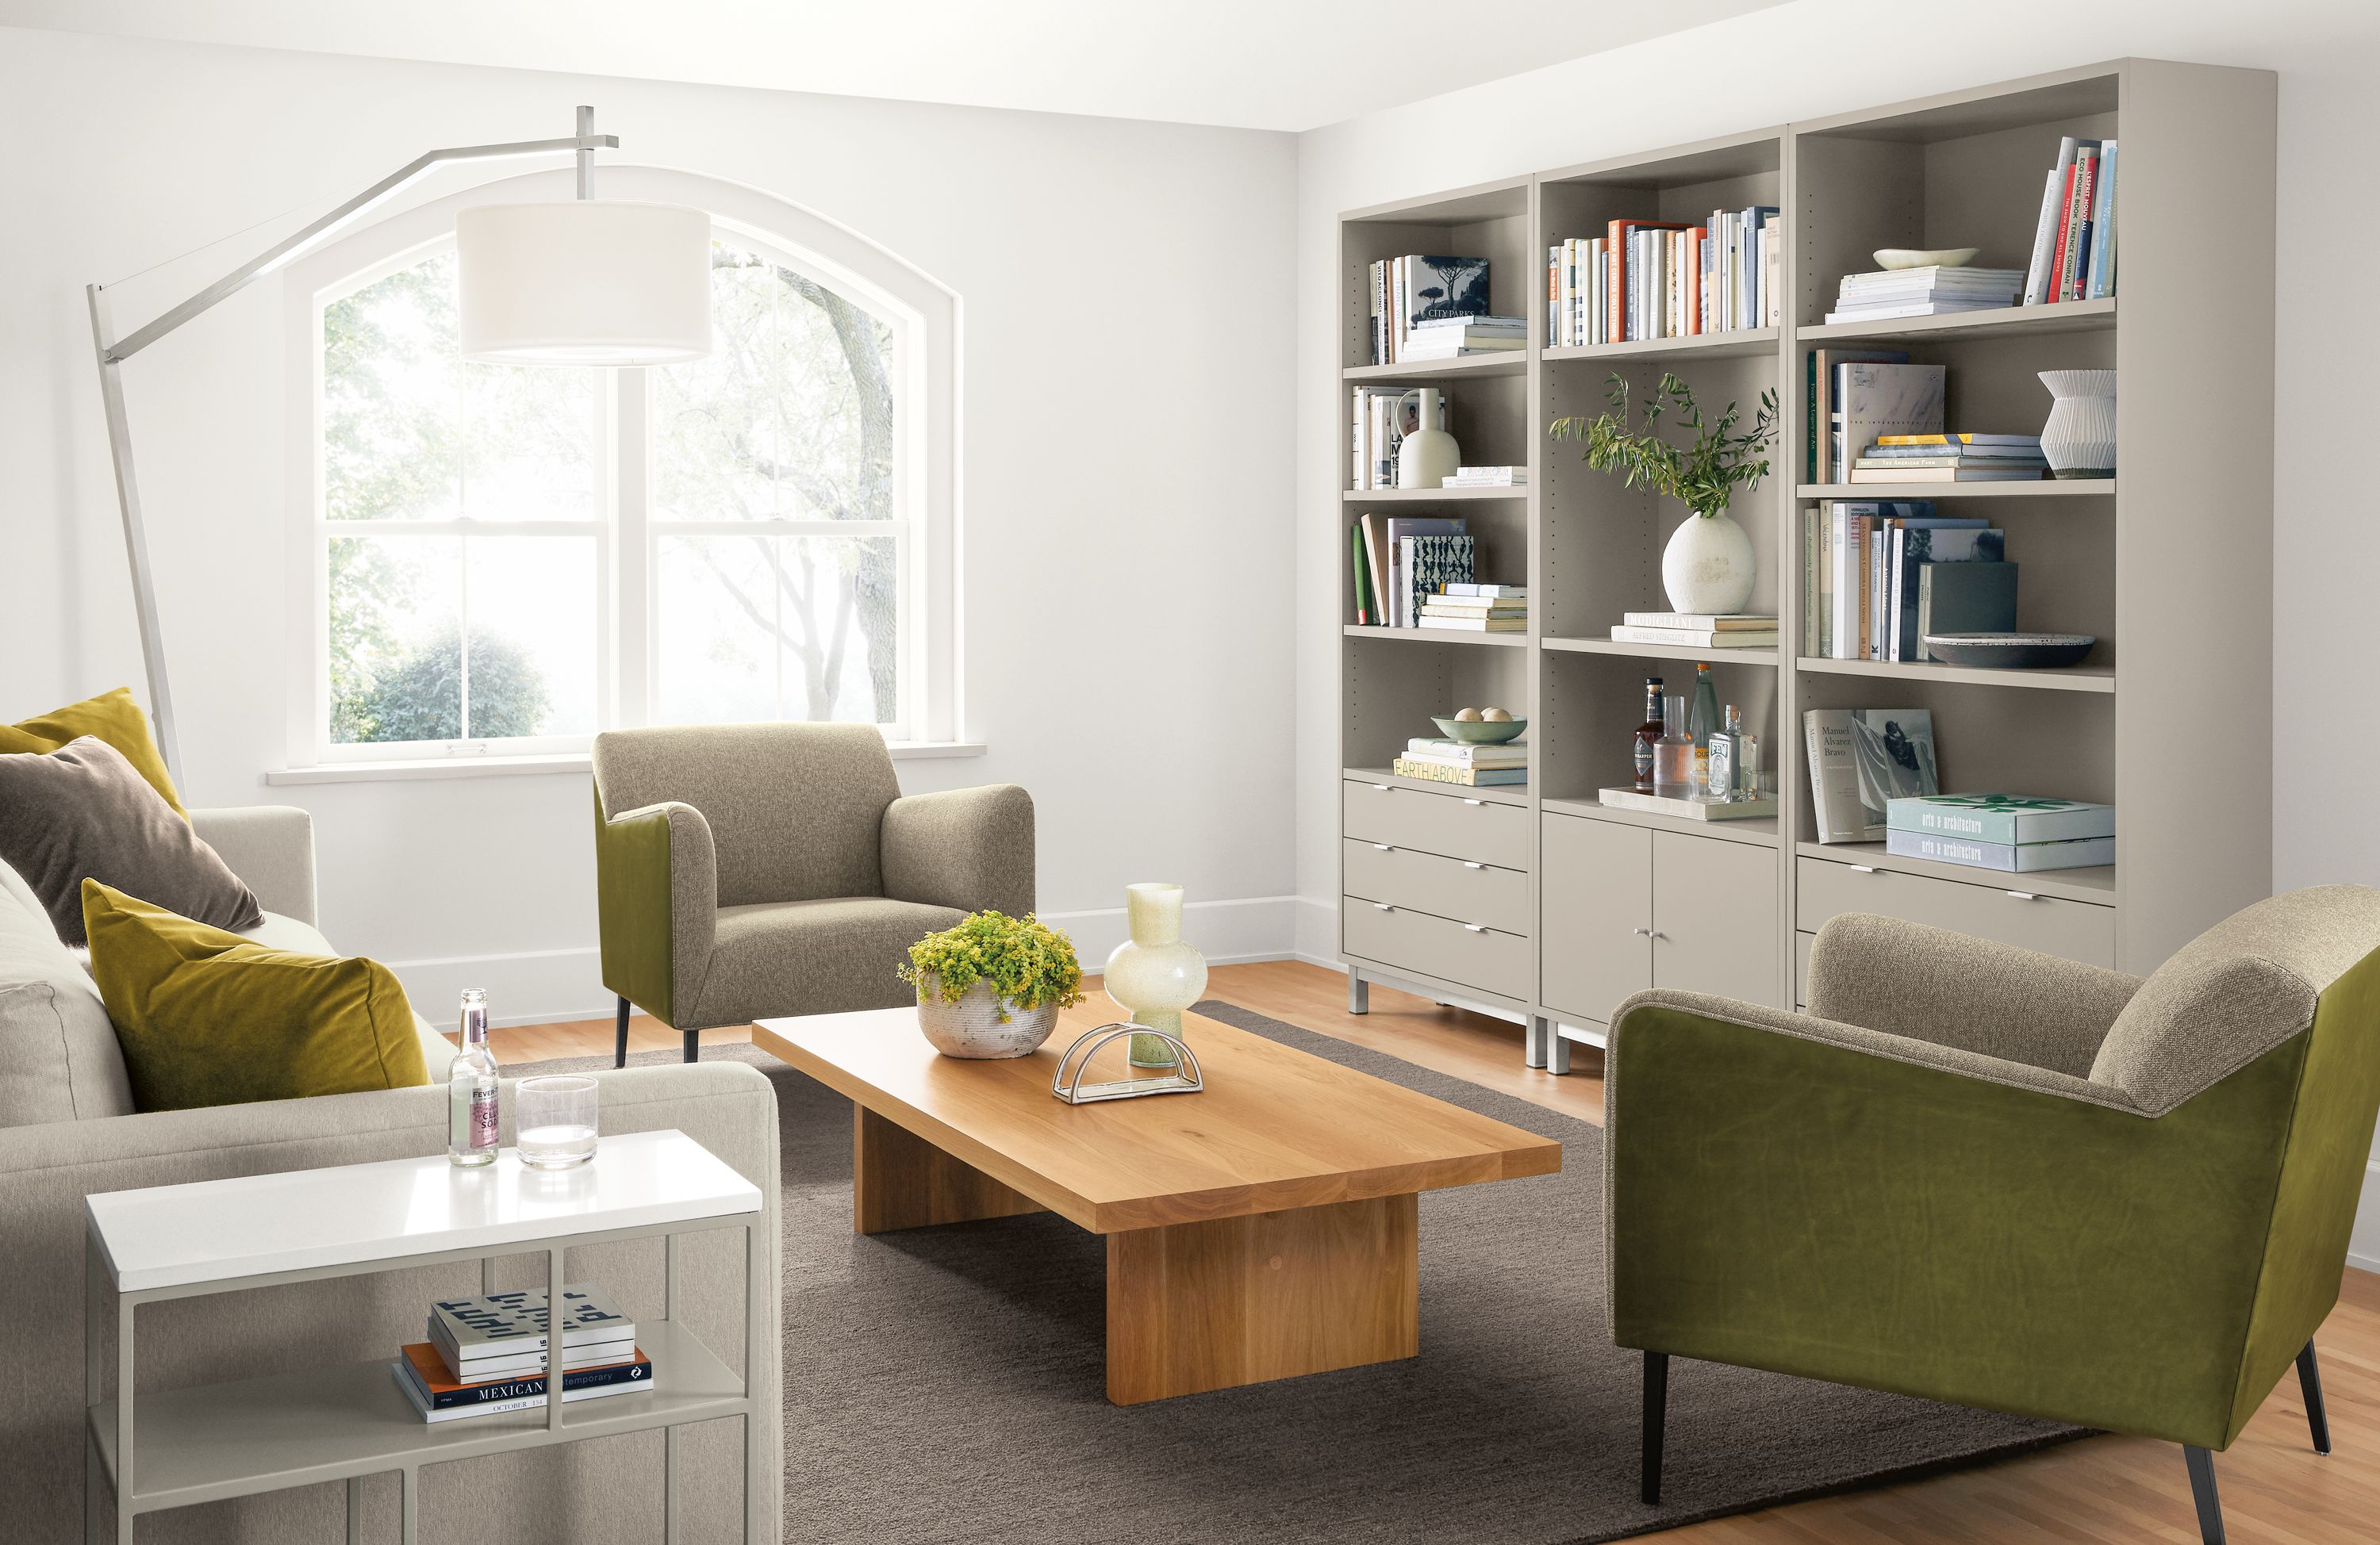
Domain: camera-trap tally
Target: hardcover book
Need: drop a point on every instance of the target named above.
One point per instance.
(1432, 562)
(2010, 820)
(435, 1386)
(1873, 400)
(1442, 772)
(507, 1324)
(1964, 598)
(1862, 759)
(2028, 858)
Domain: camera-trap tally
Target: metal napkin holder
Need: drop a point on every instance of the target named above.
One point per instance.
(1075, 1092)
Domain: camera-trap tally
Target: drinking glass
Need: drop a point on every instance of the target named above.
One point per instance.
(555, 1118)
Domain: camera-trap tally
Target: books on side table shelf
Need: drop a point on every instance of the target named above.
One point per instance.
(1698, 630)
(1440, 760)
(2015, 834)
(1454, 337)
(2074, 238)
(1379, 418)
(1489, 478)
(1876, 577)
(1924, 292)
(486, 1355)
(1649, 278)
(1410, 292)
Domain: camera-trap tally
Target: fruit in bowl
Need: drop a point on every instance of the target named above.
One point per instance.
(1484, 727)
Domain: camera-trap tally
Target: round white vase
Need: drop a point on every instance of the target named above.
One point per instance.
(980, 1024)
(1708, 566)
(2080, 439)
(1153, 975)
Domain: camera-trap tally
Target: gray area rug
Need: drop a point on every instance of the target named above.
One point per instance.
(948, 1383)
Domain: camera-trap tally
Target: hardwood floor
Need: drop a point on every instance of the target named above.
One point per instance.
(2099, 1492)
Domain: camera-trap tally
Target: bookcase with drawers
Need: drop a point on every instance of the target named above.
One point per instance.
(1538, 902)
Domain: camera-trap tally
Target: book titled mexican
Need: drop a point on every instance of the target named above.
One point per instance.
(438, 1396)
(2019, 858)
(2011, 820)
(510, 1325)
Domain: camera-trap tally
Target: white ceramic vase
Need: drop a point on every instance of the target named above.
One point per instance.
(972, 1024)
(1428, 456)
(2080, 439)
(1708, 565)
(1153, 975)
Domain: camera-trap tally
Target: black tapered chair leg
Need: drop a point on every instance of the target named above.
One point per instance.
(620, 1036)
(2310, 1385)
(692, 1045)
(1656, 1414)
(2202, 1490)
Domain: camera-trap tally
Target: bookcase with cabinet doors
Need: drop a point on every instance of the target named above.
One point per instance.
(1541, 904)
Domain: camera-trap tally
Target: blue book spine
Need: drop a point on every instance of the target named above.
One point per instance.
(2007, 858)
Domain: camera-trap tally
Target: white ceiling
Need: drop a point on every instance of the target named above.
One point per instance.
(1252, 64)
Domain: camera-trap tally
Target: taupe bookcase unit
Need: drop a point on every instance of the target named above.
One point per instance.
(1541, 904)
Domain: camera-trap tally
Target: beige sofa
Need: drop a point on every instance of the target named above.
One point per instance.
(67, 1130)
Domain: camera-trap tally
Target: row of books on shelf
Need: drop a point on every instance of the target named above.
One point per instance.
(1647, 279)
(1698, 630)
(1463, 762)
(1379, 419)
(1417, 294)
(1877, 578)
(1873, 778)
(1885, 424)
(2074, 239)
(1416, 571)
(486, 1355)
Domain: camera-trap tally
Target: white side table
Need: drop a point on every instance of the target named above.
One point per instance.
(297, 1429)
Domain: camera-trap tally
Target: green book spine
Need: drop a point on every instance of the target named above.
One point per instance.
(1363, 578)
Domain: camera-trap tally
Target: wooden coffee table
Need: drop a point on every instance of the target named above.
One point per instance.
(1265, 1227)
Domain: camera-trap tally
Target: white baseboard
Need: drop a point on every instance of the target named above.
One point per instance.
(1317, 931)
(2363, 1245)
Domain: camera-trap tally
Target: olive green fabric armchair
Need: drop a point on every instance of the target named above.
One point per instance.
(749, 870)
(1981, 1175)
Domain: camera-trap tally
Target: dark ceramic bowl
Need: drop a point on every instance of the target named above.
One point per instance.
(2010, 651)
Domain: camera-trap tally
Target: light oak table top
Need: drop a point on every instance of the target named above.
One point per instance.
(1274, 1129)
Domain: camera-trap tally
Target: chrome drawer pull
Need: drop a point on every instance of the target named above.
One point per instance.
(1475, 928)
(1383, 906)
(1383, 848)
(1655, 934)
(1381, 787)
(1475, 801)
(2025, 895)
(1468, 864)
(1862, 868)
(1641, 933)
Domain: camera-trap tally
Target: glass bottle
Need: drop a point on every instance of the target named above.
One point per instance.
(1673, 754)
(1704, 720)
(1726, 768)
(471, 1129)
(1648, 734)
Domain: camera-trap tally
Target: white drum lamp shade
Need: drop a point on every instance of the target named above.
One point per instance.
(588, 281)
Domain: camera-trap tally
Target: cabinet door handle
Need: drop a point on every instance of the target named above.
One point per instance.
(1475, 801)
(1862, 868)
(1641, 933)
(1468, 863)
(2025, 895)
(1383, 906)
(1383, 848)
(1475, 928)
(1655, 934)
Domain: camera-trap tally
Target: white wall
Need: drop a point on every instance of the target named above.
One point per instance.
(1127, 612)
(1821, 56)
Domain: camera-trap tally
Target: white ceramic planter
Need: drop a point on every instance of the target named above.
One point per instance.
(1708, 565)
(971, 1026)
(2080, 439)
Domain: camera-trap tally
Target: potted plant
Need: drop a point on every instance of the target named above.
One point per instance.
(1708, 565)
(992, 985)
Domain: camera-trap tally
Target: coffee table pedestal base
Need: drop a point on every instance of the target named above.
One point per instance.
(900, 1180)
(1210, 1305)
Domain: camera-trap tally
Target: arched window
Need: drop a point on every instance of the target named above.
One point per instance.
(508, 559)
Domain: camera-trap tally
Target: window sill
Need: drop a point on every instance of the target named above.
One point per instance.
(518, 766)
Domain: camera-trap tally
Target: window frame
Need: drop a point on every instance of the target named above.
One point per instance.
(923, 317)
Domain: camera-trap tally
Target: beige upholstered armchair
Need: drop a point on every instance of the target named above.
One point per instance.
(751, 870)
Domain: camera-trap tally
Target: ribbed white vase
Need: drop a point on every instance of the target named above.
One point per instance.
(2080, 439)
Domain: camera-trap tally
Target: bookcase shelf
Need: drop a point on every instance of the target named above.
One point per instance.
(2172, 560)
(1434, 635)
(2072, 678)
(2073, 316)
(1511, 362)
(1660, 651)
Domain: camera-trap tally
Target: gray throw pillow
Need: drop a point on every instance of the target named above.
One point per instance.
(81, 812)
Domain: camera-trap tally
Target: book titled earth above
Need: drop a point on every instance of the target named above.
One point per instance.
(2026, 858)
(1862, 759)
(2011, 820)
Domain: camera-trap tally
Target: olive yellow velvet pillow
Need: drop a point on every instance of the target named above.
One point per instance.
(112, 717)
(207, 1017)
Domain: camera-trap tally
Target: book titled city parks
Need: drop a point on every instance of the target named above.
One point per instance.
(1861, 760)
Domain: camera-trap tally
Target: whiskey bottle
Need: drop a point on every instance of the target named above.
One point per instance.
(1648, 734)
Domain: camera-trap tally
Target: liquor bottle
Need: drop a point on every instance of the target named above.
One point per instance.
(1648, 734)
(1673, 754)
(1726, 759)
(1704, 720)
(471, 1090)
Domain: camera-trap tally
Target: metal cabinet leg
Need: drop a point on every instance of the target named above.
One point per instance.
(1557, 1049)
(1359, 993)
(355, 1509)
(1533, 1042)
(408, 1506)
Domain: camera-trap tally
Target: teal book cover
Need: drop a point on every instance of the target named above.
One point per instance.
(2011, 820)
(2027, 858)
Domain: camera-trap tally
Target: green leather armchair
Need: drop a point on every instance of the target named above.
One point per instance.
(749, 870)
(1981, 1175)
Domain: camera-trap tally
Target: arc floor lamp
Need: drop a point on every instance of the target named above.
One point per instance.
(581, 282)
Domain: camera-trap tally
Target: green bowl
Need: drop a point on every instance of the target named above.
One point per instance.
(1481, 733)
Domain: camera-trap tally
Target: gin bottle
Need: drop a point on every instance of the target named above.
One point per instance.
(471, 1090)
(1704, 719)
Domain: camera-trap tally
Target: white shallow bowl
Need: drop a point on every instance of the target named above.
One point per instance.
(1911, 257)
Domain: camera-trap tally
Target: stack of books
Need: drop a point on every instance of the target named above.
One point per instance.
(1474, 767)
(1644, 279)
(1464, 607)
(1452, 337)
(487, 1355)
(1951, 458)
(2015, 834)
(1698, 630)
(1924, 292)
(1877, 578)
(2074, 240)
(1409, 292)
(1489, 478)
